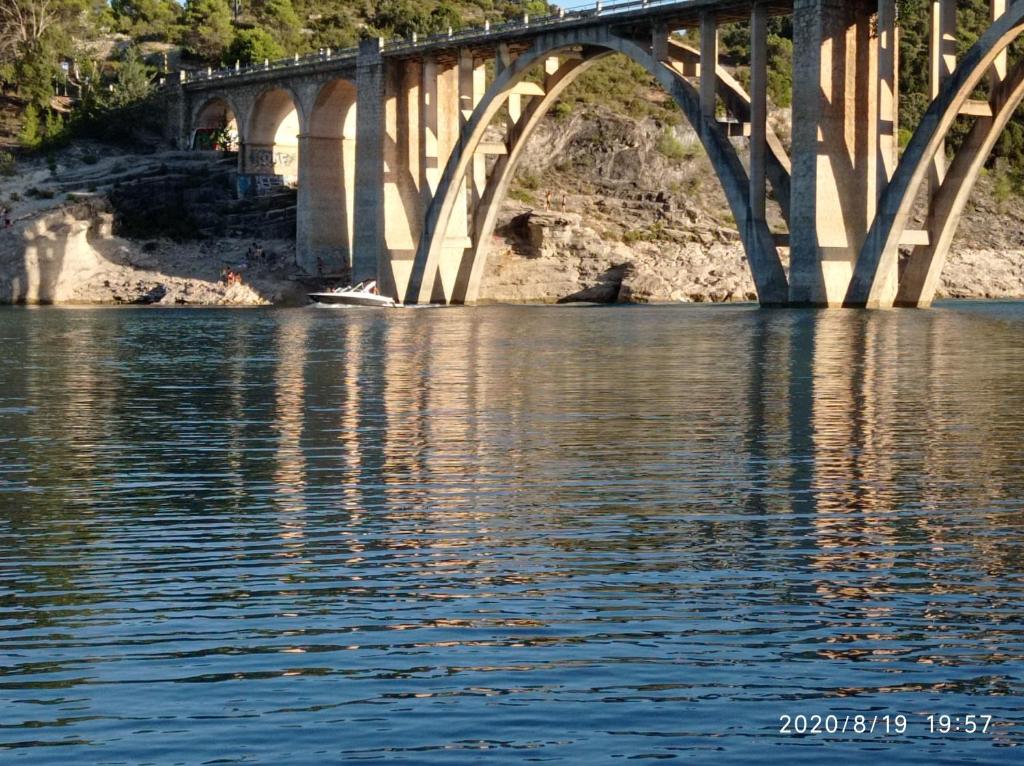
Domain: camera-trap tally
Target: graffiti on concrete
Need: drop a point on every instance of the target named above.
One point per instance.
(270, 158)
(258, 185)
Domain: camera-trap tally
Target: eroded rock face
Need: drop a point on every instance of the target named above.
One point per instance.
(69, 255)
(557, 258)
(972, 273)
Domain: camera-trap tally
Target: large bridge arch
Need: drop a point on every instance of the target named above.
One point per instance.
(877, 282)
(271, 139)
(582, 47)
(327, 156)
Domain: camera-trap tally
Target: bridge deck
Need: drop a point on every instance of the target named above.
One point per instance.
(634, 18)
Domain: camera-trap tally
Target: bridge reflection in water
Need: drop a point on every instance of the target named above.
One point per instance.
(449, 515)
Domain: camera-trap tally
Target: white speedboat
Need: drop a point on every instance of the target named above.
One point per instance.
(363, 294)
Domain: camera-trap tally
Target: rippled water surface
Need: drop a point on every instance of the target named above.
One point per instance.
(509, 535)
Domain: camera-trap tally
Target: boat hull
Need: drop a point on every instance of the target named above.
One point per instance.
(352, 299)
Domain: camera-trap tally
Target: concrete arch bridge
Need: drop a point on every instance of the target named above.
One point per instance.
(403, 151)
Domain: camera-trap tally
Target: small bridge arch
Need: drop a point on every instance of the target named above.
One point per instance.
(327, 153)
(214, 121)
(271, 139)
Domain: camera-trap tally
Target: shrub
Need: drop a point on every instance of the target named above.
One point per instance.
(529, 181)
(670, 146)
(8, 165)
(562, 111)
(253, 46)
(522, 195)
(1003, 187)
(30, 135)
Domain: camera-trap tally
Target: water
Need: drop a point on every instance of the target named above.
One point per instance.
(509, 535)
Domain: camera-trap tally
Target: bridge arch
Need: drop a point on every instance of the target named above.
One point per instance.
(583, 48)
(327, 155)
(271, 139)
(876, 281)
(211, 116)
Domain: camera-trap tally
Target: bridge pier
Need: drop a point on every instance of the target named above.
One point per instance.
(835, 149)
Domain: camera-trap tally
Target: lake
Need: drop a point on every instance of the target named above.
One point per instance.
(512, 534)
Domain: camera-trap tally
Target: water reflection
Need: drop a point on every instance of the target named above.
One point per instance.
(569, 533)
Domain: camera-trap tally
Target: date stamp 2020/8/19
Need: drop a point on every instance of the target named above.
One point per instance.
(812, 724)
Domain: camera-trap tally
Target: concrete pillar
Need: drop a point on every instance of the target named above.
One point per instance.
(888, 92)
(369, 192)
(708, 65)
(403, 205)
(430, 160)
(659, 42)
(472, 84)
(502, 62)
(998, 72)
(835, 145)
(942, 62)
(324, 210)
(758, 109)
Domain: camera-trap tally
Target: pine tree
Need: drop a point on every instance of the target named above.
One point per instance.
(30, 136)
(209, 28)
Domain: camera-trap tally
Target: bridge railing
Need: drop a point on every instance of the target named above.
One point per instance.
(401, 45)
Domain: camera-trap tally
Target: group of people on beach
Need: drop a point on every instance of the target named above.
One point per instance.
(230, 277)
(254, 256)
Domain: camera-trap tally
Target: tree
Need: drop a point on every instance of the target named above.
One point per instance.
(153, 19)
(443, 17)
(34, 36)
(209, 29)
(132, 84)
(30, 136)
(334, 29)
(400, 18)
(253, 46)
(278, 17)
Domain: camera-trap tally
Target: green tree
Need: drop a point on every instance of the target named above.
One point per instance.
(30, 136)
(147, 19)
(253, 46)
(53, 128)
(333, 29)
(444, 16)
(780, 70)
(209, 29)
(133, 81)
(278, 17)
(400, 18)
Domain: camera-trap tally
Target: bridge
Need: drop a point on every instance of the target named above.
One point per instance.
(403, 151)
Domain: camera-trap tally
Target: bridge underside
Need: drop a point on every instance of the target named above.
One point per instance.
(403, 156)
